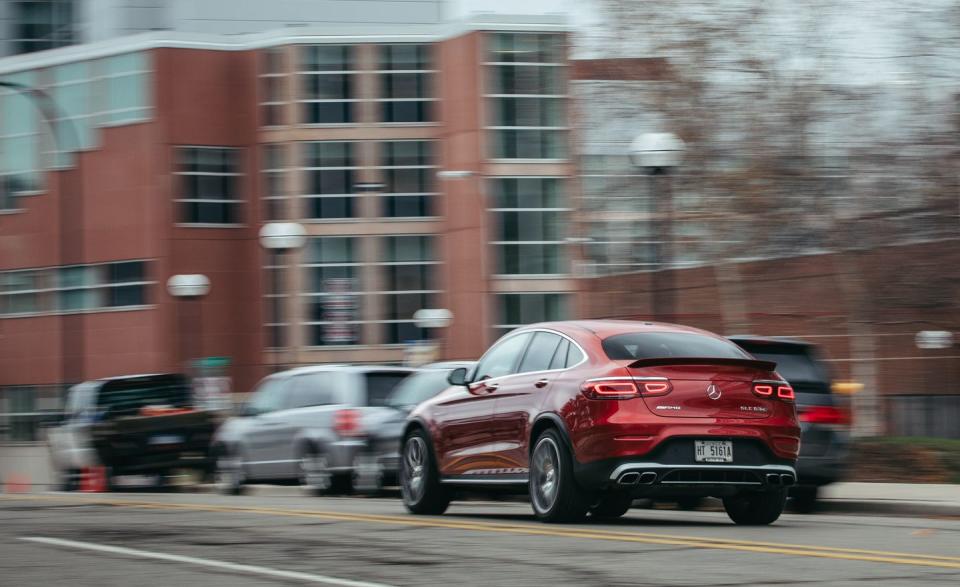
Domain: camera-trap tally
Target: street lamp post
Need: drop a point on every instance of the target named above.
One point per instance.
(279, 238)
(657, 154)
(73, 345)
(190, 288)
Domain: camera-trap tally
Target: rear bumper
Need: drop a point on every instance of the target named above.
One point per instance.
(671, 469)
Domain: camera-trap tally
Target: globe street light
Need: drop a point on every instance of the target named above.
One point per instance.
(189, 288)
(657, 154)
(278, 239)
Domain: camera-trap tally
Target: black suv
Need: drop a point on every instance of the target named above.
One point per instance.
(824, 418)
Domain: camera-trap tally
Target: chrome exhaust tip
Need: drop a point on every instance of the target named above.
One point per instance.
(648, 478)
(773, 479)
(787, 480)
(629, 478)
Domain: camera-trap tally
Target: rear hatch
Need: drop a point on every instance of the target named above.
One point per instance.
(708, 377)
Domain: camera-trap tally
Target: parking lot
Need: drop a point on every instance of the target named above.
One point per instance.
(186, 539)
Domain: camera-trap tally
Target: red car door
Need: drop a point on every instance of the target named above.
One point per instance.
(463, 415)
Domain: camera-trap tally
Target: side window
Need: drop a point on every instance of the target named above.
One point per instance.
(574, 356)
(268, 397)
(311, 390)
(559, 360)
(502, 358)
(540, 352)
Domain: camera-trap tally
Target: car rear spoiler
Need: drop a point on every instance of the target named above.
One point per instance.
(746, 363)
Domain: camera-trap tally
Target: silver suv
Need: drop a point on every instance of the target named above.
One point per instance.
(309, 425)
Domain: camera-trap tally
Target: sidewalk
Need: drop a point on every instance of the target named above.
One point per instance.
(903, 499)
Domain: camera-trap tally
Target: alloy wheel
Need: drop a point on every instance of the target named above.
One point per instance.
(545, 475)
(314, 472)
(413, 470)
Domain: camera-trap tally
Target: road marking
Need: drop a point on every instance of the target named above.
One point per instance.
(191, 560)
(853, 554)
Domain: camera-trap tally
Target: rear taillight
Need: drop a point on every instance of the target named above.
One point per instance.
(346, 422)
(625, 387)
(772, 389)
(824, 415)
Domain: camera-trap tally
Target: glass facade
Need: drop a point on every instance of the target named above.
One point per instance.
(516, 309)
(42, 24)
(409, 274)
(209, 185)
(526, 92)
(530, 215)
(273, 164)
(51, 290)
(329, 169)
(406, 77)
(327, 83)
(331, 291)
(273, 78)
(409, 176)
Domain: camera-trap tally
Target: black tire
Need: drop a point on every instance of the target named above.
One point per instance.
(315, 478)
(804, 499)
(756, 509)
(69, 480)
(420, 486)
(229, 475)
(554, 493)
(612, 505)
(689, 503)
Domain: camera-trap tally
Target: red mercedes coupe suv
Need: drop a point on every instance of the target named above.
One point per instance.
(588, 415)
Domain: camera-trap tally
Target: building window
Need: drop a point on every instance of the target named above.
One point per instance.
(332, 291)
(529, 215)
(26, 409)
(209, 185)
(273, 173)
(20, 172)
(276, 301)
(106, 285)
(42, 24)
(406, 76)
(327, 84)
(73, 92)
(330, 169)
(527, 96)
(409, 176)
(75, 288)
(272, 92)
(409, 265)
(516, 309)
(125, 85)
(23, 292)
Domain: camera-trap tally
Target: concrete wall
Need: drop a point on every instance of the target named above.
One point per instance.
(25, 468)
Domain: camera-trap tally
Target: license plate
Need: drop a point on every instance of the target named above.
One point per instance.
(166, 439)
(713, 451)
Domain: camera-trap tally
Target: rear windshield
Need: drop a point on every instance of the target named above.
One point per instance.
(419, 388)
(380, 384)
(126, 397)
(660, 345)
(795, 364)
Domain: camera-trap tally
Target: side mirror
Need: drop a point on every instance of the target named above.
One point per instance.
(458, 376)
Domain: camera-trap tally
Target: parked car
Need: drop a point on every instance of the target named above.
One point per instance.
(310, 425)
(824, 420)
(131, 425)
(384, 442)
(585, 416)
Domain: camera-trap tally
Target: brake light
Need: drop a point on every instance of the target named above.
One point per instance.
(762, 389)
(785, 392)
(824, 415)
(625, 387)
(346, 422)
(610, 389)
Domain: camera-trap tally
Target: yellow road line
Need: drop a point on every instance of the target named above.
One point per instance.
(853, 554)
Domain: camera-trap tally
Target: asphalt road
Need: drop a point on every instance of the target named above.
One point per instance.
(197, 539)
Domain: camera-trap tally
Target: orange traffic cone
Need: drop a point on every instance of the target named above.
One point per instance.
(93, 479)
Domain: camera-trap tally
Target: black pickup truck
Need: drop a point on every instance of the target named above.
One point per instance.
(134, 425)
